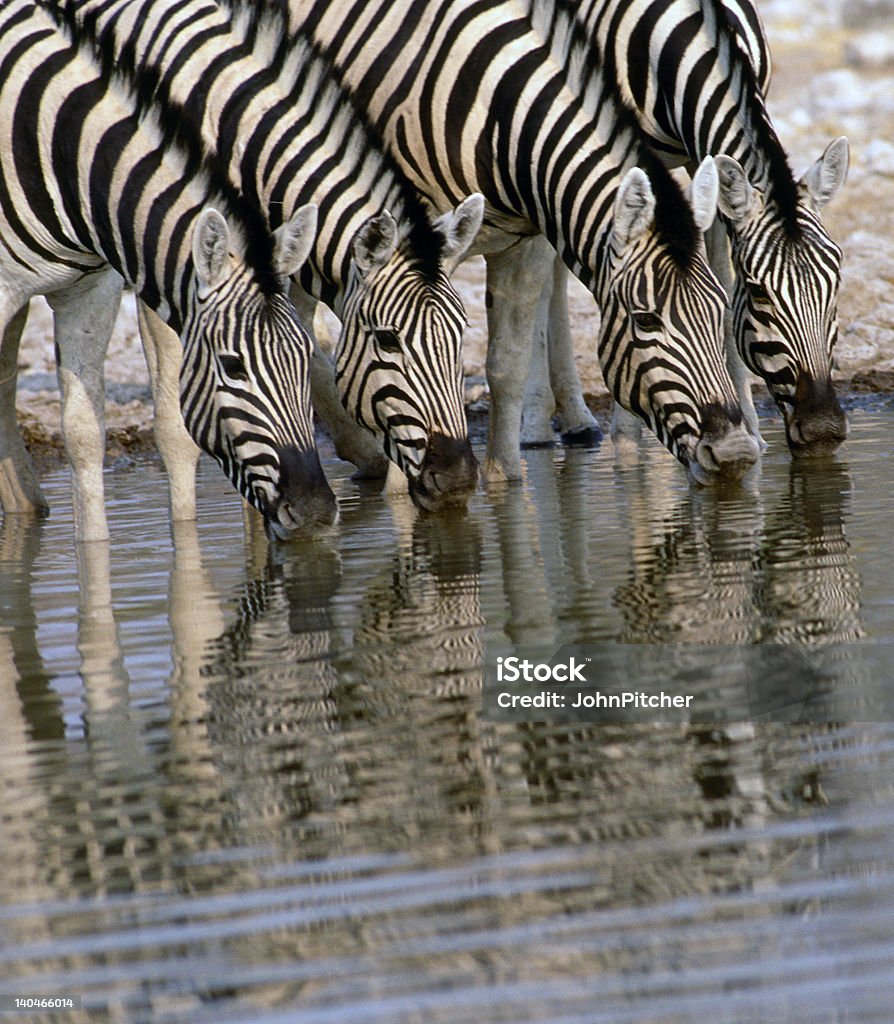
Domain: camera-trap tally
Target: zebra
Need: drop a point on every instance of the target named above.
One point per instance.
(697, 72)
(499, 98)
(266, 101)
(97, 185)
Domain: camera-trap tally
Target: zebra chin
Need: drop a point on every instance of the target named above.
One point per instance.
(447, 477)
(304, 502)
(725, 450)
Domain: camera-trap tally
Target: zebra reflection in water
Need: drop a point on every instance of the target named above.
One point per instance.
(82, 795)
(335, 652)
(716, 569)
(270, 688)
(784, 575)
(332, 717)
(703, 569)
(807, 587)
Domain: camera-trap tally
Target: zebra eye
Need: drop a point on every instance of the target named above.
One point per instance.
(646, 321)
(233, 367)
(758, 292)
(387, 340)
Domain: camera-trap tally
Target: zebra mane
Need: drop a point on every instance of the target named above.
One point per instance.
(589, 71)
(782, 185)
(151, 98)
(426, 242)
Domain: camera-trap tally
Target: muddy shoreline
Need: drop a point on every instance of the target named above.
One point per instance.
(126, 439)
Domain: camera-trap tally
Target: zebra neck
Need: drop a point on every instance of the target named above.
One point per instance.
(695, 71)
(109, 185)
(268, 107)
(554, 160)
(143, 202)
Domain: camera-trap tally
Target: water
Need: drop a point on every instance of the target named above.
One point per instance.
(252, 785)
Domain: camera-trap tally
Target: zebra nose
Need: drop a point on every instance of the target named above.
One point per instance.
(725, 449)
(306, 499)
(449, 473)
(816, 424)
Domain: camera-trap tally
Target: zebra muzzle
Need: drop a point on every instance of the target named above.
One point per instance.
(306, 501)
(815, 424)
(448, 475)
(726, 450)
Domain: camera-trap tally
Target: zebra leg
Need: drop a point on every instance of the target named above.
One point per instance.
(19, 489)
(539, 402)
(717, 245)
(179, 453)
(516, 278)
(353, 443)
(625, 425)
(577, 424)
(84, 318)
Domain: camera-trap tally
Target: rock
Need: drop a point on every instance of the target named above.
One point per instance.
(838, 92)
(878, 157)
(870, 50)
(867, 13)
(873, 379)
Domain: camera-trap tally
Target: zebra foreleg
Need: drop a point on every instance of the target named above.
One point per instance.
(353, 443)
(539, 403)
(179, 453)
(84, 317)
(554, 387)
(516, 279)
(576, 423)
(19, 489)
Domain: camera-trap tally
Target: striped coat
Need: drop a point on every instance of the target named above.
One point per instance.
(506, 99)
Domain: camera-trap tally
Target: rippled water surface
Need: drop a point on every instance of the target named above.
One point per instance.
(243, 784)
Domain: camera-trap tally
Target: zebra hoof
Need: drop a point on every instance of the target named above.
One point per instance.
(582, 437)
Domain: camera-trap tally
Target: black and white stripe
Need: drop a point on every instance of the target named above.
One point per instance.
(266, 100)
(94, 176)
(510, 100)
(696, 72)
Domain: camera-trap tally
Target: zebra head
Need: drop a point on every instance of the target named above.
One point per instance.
(661, 347)
(244, 381)
(399, 360)
(785, 295)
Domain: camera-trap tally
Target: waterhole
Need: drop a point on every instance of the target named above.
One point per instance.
(254, 784)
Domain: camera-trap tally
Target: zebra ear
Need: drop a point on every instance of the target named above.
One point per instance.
(210, 250)
(375, 243)
(703, 193)
(459, 229)
(824, 179)
(737, 197)
(294, 240)
(634, 207)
